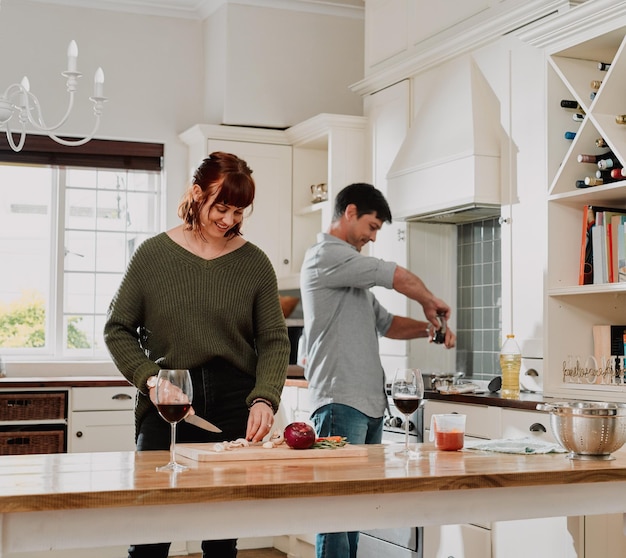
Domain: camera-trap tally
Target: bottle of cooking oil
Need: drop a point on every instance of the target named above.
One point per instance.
(510, 364)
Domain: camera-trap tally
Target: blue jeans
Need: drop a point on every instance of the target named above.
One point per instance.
(340, 420)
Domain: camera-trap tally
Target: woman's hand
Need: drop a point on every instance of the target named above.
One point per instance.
(260, 421)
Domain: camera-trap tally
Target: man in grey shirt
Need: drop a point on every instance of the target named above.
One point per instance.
(342, 323)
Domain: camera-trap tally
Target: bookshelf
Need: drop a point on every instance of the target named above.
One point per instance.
(571, 309)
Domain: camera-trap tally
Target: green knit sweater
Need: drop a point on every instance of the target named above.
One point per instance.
(181, 311)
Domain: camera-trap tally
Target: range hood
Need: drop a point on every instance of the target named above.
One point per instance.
(448, 168)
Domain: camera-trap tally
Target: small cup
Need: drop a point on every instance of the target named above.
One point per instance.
(447, 431)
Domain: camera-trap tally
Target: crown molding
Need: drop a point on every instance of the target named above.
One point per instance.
(201, 9)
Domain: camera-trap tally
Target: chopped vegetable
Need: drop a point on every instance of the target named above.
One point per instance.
(330, 442)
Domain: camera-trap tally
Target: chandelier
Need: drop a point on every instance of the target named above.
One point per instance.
(21, 107)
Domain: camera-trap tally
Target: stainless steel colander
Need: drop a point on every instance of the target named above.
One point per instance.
(588, 430)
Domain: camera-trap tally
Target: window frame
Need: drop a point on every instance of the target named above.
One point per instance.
(97, 155)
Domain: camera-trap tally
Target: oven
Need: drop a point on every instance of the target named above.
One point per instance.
(402, 542)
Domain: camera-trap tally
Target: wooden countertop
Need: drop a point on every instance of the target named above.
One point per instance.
(95, 480)
(30, 382)
(103, 499)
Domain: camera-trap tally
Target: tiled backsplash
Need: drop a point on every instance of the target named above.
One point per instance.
(479, 299)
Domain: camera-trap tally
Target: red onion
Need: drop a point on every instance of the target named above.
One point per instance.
(300, 435)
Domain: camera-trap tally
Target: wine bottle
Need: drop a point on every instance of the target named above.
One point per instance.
(618, 173)
(581, 184)
(595, 84)
(578, 117)
(620, 119)
(593, 181)
(587, 158)
(569, 135)
(605, 174)
(601, 142)
(567, 103)
(603, 66)
(609, 163)
(592, 95)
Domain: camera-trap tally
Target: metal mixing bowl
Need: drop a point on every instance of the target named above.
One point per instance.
(588, 430)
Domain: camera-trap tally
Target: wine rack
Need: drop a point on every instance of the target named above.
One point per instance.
(571, 309)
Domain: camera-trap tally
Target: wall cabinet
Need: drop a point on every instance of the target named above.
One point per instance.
(102, 419)
(327, 149)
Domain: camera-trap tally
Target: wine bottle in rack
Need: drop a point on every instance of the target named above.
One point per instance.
(618, 174)
(592, 95)
(588, 158)
(593, 181)
(603, 66)
(620, 119)
(578, 117)
(601, 142)
(569, 135)
(570, 104)
(609, 163)
(595, 84)
(605, 175)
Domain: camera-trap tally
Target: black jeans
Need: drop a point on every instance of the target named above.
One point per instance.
(219, 395)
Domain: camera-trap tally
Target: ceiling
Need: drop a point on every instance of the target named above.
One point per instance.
(200, 9)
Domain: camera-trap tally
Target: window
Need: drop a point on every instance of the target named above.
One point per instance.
(66, 236)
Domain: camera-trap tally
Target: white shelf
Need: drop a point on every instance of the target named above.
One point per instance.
(571, 310)
(313, 208)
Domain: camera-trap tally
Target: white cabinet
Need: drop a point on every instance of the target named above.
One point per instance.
(457, 541)
(102, 419)
(326, 149)
(540, 538)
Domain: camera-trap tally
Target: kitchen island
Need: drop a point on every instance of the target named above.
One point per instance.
(94, 500)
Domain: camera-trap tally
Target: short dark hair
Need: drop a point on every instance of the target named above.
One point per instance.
(367, 200)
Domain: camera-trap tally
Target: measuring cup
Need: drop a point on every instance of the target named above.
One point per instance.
(447, 431)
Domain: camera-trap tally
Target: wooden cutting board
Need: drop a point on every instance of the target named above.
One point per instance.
(204, 452)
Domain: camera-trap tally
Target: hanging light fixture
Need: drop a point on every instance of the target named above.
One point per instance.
(21, 107)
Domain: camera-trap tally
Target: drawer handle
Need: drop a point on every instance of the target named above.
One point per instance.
(121, 397)
(537, 427)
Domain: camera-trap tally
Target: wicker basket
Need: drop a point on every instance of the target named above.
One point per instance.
(33, 406)
(24, 442)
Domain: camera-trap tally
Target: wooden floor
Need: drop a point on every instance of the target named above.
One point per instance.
(254, 553)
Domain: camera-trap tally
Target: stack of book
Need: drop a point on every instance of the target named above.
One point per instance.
(603, 246)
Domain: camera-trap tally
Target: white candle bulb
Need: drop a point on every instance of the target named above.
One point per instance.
(26, 86)
(98, 83)
(72, 56)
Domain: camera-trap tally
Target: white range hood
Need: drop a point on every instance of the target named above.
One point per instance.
(448, 168)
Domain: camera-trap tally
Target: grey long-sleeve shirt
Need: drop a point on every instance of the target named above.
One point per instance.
(342, 323)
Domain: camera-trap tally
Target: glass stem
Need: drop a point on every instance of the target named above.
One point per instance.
(406, 434)
(173, 444)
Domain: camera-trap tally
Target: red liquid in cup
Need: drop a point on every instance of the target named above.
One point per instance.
(449, 441)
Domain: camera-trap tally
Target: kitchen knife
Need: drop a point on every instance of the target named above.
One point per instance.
(201, 423)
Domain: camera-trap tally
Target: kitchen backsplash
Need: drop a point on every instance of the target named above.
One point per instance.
(479, 299)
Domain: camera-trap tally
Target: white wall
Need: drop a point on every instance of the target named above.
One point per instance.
(153, 73)
(275, 68)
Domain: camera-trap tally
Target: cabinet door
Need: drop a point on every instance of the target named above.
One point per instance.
(269, 225)
(457, 541)
(102, 431)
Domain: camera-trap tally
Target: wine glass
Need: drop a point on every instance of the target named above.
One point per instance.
(174, 394)
(407, 392)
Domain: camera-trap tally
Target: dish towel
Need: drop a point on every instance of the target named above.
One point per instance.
(523, 446)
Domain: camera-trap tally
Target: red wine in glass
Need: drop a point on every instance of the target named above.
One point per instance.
(174, 413)
(407, 404)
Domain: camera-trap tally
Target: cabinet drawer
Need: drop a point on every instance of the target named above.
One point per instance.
(43, 405)
(30, 440)
(524, 424)
(103, 398)
(481, 422)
